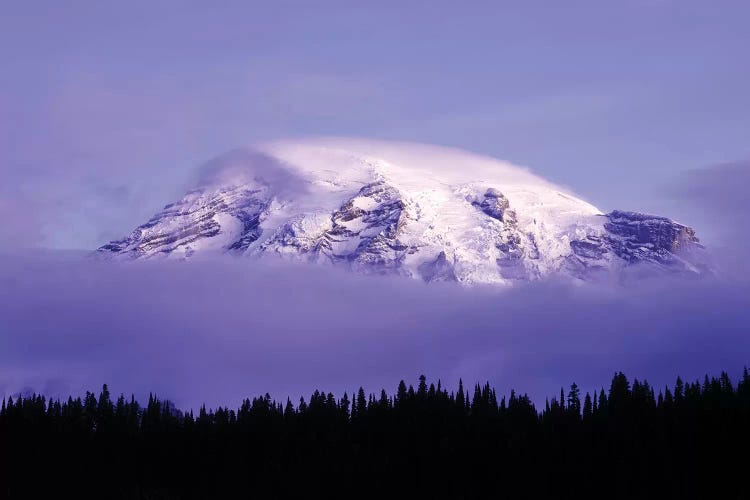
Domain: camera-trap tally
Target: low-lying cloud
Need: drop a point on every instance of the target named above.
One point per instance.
(216, 331)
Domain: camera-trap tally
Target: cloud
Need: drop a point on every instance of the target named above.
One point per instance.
(720, 189)
(715, 201)
(94, 132)
(18, 225)
(216, 331)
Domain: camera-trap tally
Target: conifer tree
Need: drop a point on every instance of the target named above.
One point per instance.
(104, 410)
(400, 395)
(574, 400)
(588, 408)
(460, 401)
(422, 388)
(344, 406)
(361, 402)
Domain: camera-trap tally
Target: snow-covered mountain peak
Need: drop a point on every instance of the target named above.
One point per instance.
(423, 211)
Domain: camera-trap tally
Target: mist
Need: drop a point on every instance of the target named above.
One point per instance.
(215, 331)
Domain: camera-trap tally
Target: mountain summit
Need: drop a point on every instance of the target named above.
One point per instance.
(427, 212)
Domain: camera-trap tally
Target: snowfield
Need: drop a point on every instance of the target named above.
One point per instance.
(427, 212)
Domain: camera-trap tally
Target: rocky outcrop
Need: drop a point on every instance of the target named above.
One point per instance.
(511, 243)
(495, 204)
(197, 217)
(365, 229)
(636, 238)
(439, 269)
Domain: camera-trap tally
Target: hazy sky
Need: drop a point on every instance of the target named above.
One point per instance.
(106, 107)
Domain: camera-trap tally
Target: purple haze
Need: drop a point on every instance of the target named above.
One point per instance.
(104, 109)
(215, 331)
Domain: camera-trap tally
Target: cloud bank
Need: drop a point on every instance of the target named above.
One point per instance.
(216, 331)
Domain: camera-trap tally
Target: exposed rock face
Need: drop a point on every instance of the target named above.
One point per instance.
(593, 247)
(636, 238)
(366, 229)
(301, 235)
(373, 218)
(494, 204)
(438, 270)
(200, 216)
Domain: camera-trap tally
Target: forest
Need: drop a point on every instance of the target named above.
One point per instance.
(632, 440)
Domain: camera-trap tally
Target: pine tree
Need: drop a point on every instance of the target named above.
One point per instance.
(344, 406)
(588, 408)
(431, 393)
(562, 400)
(289, 409)
(422, 388)
(679, 389)
(574, 400)
(400, 395)
(385, 402)
(89, 411)
(104, 410)
(460, 401)
(361, 402)
(595, 405)
(603, 402)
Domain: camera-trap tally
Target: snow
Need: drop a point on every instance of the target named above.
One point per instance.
(428, 173)
(437, 182)
(302, 183)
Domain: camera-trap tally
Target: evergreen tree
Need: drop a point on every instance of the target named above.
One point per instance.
(104, 410)
(422, 388)
(400, 394)
(588, 407)
(574, 400)
(460, 400)
(361, 402)
(629, 443)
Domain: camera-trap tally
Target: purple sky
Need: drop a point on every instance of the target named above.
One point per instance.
(107, 109)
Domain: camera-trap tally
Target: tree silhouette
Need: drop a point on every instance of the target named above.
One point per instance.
(688, 441)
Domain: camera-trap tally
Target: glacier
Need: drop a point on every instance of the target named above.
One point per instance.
(421, 211)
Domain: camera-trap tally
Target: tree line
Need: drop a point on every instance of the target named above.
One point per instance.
(691, 440)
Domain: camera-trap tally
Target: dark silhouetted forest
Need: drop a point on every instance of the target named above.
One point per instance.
(631, 441)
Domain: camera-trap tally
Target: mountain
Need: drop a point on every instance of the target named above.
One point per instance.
(426, 212)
